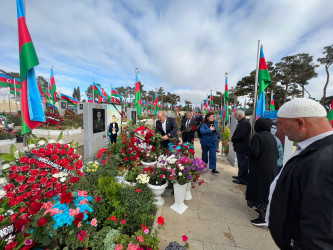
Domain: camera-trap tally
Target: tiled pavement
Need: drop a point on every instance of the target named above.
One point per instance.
(217, 218)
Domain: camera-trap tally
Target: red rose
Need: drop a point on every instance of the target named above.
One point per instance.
(71, 168)
(24, 159)
(12, 175)
(31, 179)
(13, 217)
(69, 153)
(25, 168)
(20, 223)
(41, 164)
(66, 198)
(14, 168)
(23, 209)
(32, 161)
(21, 178)
(1, 218)
(27, 195)
(41, 150)
(41, 222)
(49, 194)
(74, 179)
(8, 186)
(54, 171)
(98, 199)
(57, 185)
(160, 221)
(138, 190)
(78, 218)
(125, 159)
(40, 154)
(34, 151)
(185, 238)
(34, 207)
(62, 152)
(66, 146)
(22, 188)
(53, 179)
(65, 163)
(48, 152)
(48, 185)
(49, 146)
(10, 194)
(11, 245)
(57, 145)
(35, 186)
(43, 180)
(34, 172)
(54, 157)
(43, 173)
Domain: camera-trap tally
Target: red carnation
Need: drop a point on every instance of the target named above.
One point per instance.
(48, 152)
(20, 223)
(98, 199)
(160, 221)
(23, 209)
(49, 194)
(48, 185)
(66, 198)
(41, 165)
(13, 217)
(31, 179)
(41, 150)
(24, 159)
(32, 161)
(54, 179)
(43, 173)
(57, 145)
(62, 152)
(74, 179)
(65, 163)
(34, 207)
(12, 175)
(35, 186)
(25, 168)
(34, 172)
(22, 188)
(41, 222)
(27, 195)
(43, 180)
(78, 218)
(21, 178)
(11, 245)
(54, 171)
(8, 186)
(125, 158)
(14, 168)
(54, 157)
(1, 218)
(71, 168)
(57, 185)
(10, 194)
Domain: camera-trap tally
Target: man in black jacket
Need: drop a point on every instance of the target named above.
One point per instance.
(113, 130)
(186, 128)
(300, 212)
(240, 140)
(167, 126)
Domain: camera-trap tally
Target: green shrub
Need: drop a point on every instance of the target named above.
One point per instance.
(110, 240)
(226, 135)
(98, 240)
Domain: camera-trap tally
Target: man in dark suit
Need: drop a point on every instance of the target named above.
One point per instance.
(200, 118)
(299, 214)
(113, 130)
(167, 127)
(186, 128)
(240, 140)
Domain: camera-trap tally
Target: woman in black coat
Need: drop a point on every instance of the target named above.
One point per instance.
(262, 155)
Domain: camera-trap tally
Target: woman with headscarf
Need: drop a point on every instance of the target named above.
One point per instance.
(262, 155)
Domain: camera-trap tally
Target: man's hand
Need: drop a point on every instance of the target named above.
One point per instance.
(212, 128)
(165, 138)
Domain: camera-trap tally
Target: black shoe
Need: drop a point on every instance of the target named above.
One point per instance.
(239, 182)
(235, 177)
(259, 222)
(214, 171)
(257, 211)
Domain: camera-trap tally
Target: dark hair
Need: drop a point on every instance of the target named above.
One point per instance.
(208, 115)
(263, 124)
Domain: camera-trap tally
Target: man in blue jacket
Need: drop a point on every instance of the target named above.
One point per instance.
(210, 137)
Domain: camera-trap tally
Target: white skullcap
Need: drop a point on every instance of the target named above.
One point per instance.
(301, 107)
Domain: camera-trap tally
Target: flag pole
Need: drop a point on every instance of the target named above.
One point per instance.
(256, 89)
(10, 109)
(271, 100)
(15, 95)
(93, 90)
(223, 117)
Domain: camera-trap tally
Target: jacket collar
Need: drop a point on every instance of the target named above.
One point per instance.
(317, 145)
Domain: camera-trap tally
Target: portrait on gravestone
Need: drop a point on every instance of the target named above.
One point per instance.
(63, 105)
(134, 117)
(81, 106)
(98, 120)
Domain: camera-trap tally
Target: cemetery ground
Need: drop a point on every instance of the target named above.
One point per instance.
(217, 218)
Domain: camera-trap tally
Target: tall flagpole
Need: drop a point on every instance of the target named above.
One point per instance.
(15, 95)
(256, 89)
(223, 117)
(211, 101)
(271, 100)
(10, 109)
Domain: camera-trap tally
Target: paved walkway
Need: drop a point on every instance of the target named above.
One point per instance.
(217, 218)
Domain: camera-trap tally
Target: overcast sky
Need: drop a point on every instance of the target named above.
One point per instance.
(184, 46)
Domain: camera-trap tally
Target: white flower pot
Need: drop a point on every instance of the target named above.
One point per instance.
(188, 195)
(148, 164)
(179, 191)
(158, 191)
(7, 141)
(129, 183)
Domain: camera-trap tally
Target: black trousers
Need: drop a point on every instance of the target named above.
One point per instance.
(113, 139)
(243, 167)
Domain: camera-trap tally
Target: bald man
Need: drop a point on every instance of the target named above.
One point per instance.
(167, 127)
(300, 210)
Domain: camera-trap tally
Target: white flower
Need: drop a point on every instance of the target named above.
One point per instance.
(55, 175)
(25, 149)
(61, 142)
(10, 238)
(51, 141)
(31, 146)
(16, 154)
(5, 166)
(63, 179)
(3, 181)
(2, 193)
(80, 157)
(180, 173)
(9, 212)
(41, 143)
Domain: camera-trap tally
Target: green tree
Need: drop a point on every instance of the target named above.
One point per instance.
(327, 62)
(43, 83)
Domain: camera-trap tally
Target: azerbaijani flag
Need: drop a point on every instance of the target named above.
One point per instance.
(330, 114)
(138, 98)
(69, 99)
(90, 100)
(222, 112)
(115, 94)
(234, 110)
(12, 91)
(206, 106)
(31, 104)
(8, 81)
(257, 114)
(244, 105)
(226, 99)
(53, 87)
(272, 106)
(264, 80)
(211, 100)
(155, 104)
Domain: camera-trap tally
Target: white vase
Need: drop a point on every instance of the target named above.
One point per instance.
(179, 191)
(148, 164)
(158, 191)
(188, 195)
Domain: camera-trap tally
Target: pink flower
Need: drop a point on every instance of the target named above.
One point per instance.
(185, 238)
(94, 222)
(123, 221)
(119, 247)
(79, 225)
(80, 238)
(74, 212)
(140, 238)
(82, 193)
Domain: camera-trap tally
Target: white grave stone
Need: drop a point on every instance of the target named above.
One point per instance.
(94, 115)
(131, 115)
(288, 150)
(62, 107)
(232, 154)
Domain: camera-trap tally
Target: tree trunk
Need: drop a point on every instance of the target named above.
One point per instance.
(302, 90)
(285, 93)
(325, 87)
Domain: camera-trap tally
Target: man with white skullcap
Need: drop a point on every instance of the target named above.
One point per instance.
(300, 210)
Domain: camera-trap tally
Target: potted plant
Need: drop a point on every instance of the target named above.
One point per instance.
(131, 175)
(157, 182)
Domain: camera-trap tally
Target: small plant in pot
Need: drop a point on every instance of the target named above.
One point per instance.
(131, 175)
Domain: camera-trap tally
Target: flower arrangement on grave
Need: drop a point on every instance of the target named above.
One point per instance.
(132, 174)
(149, 153)
(186, 149)
(157, 176)
(7, 134)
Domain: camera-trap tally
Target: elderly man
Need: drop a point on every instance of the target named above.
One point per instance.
(167, 126)
(240, 140)
(300, 212)
(186, 128)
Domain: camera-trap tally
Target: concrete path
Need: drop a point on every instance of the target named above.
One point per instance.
(217, 218)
